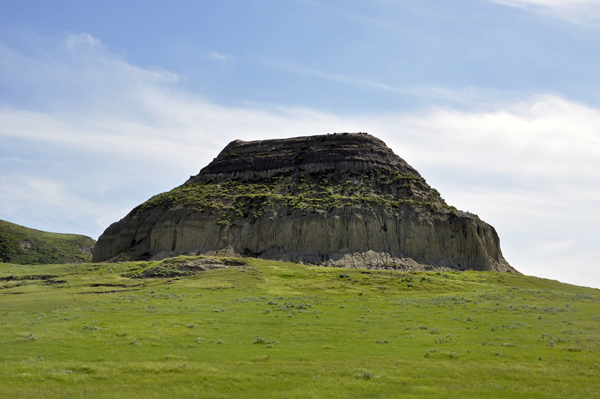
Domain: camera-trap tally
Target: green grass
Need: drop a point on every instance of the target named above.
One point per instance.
(23, 245)
(323, 190)
(281, 330)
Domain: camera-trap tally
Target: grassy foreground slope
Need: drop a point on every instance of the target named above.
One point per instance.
(23, 245)
(281, 330)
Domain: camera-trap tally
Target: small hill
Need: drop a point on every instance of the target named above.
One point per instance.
(343, 200)
(23, 245)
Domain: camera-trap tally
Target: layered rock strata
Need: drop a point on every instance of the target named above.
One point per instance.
(339, 200)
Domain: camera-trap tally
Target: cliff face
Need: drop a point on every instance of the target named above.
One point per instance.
(339, 200)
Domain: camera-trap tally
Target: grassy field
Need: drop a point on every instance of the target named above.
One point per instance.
(282, 330)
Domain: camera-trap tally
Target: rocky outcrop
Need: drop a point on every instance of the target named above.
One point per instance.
(338, 200)
(266, 158)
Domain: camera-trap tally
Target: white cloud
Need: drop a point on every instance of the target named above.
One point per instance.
(582, 11)
(86, 40)
(529, 168)
(551, 3)
(219, 57)
(45, 201)
(471, 96)
(545, 137)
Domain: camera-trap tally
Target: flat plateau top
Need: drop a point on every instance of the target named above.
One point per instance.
(339, 151)
(318, 140)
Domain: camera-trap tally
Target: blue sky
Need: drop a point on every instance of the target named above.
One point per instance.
(496, 103)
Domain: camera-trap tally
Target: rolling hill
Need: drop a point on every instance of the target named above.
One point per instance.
(23, 245)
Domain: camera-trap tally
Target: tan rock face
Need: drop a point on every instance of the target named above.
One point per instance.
(292, 200)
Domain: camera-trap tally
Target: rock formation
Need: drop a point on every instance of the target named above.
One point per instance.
(339, 200)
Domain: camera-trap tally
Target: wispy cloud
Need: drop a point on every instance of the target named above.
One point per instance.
(77, 40)
(351, 16)
(582, 11)
(550, 3)
(528, 167)
(49, 202)
(465, 95)
(532, 138)
(218, 57)
(304, 70)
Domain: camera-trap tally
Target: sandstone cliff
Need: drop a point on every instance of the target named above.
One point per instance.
(339, 200)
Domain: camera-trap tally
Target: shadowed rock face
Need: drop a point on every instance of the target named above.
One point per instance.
(340, 200)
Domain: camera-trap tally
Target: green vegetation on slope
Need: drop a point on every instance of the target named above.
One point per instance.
(274, 330)
(23, 245)
(297, 189)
